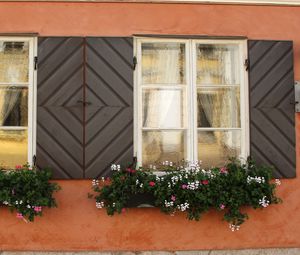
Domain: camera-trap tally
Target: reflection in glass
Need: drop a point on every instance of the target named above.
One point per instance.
(163, 108)
(163, 63)
(215, 147)
(13, 148)
(13, 106)
(14, 57)
(217, 64)
(160, 146)
(218, 107)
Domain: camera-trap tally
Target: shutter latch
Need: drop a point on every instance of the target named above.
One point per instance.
(134, 62)
(35, 62)
(247, 64)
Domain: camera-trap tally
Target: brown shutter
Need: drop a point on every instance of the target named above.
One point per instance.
(272, 114)
(59, 115)
(109, 114)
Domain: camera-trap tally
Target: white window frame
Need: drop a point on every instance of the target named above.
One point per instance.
(32, 91)
(191, 89)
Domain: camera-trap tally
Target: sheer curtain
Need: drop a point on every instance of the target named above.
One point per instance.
(8, 99)
(163, 106)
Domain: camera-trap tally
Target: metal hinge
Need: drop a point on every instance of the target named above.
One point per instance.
(35, 62)
(34, 160)
(247, 64)
(134, 62)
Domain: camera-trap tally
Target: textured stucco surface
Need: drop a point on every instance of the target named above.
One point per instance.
(76, 224)
(293, 251)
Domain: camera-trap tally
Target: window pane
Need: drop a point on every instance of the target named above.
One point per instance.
(160, 146)
(217, 64)
(13, 106)
(14, 57)
(163, 108)
(13, 148)
(215, 147)
(218, 107)
(163, 63)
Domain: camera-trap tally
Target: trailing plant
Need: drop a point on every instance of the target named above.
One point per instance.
(26, 191)
(191, 189)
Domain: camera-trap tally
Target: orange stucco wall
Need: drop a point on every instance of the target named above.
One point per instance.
(77, 224)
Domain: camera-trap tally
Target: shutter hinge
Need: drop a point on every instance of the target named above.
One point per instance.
(134, 62)
(34, 160)
(35, 62)
(247, 64)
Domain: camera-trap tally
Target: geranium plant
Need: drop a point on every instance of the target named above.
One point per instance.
(26, 191)
(191, 189)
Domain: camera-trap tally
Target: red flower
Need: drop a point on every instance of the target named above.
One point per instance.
(123, 210)
(18, 167)
(205, 182)
(152, 184)
(129, 170)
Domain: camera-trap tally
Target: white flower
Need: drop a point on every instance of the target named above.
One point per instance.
(16, 202)
(115, 167)
(255, 179)
(183, 207)
(28, 206)
(169, 204)
(99, 205)
(141, 185)
(234, 227)
(278, 182)
(264, 202)
(5, 203)
(137, 182)
(95, 182)
(103, 179)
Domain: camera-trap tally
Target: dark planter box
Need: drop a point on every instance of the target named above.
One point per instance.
(141, 200)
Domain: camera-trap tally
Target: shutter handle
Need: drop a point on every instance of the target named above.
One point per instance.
(83, 102)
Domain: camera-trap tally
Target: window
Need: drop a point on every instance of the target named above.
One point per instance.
(191, 101)
(17, 99)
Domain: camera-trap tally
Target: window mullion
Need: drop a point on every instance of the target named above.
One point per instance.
(193, 104)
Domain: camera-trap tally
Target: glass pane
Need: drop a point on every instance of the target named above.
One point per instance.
(164, 108)
(217, 64)
(13, 148)
(13, 106)
(14, 57)
(215, 147)
(218, 107)
(160, 146)
(163, 63)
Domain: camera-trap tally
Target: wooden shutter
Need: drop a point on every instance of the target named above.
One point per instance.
(272, 114)
(109, 114)
(59, 112)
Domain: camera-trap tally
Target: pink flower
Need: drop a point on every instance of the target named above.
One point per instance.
(205, 182)
(37, 208)
(152, 184)
(173, 198)
(18, 167)
(123, 210)
(19, 215)
(183, 186)
(223, 170)
(222, 206)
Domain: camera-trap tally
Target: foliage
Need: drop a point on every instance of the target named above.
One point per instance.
(191, 189)
(27, 190)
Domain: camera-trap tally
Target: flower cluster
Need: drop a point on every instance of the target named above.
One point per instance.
(189, 188)
(26, 191)
(257, 179)
(264, 202)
